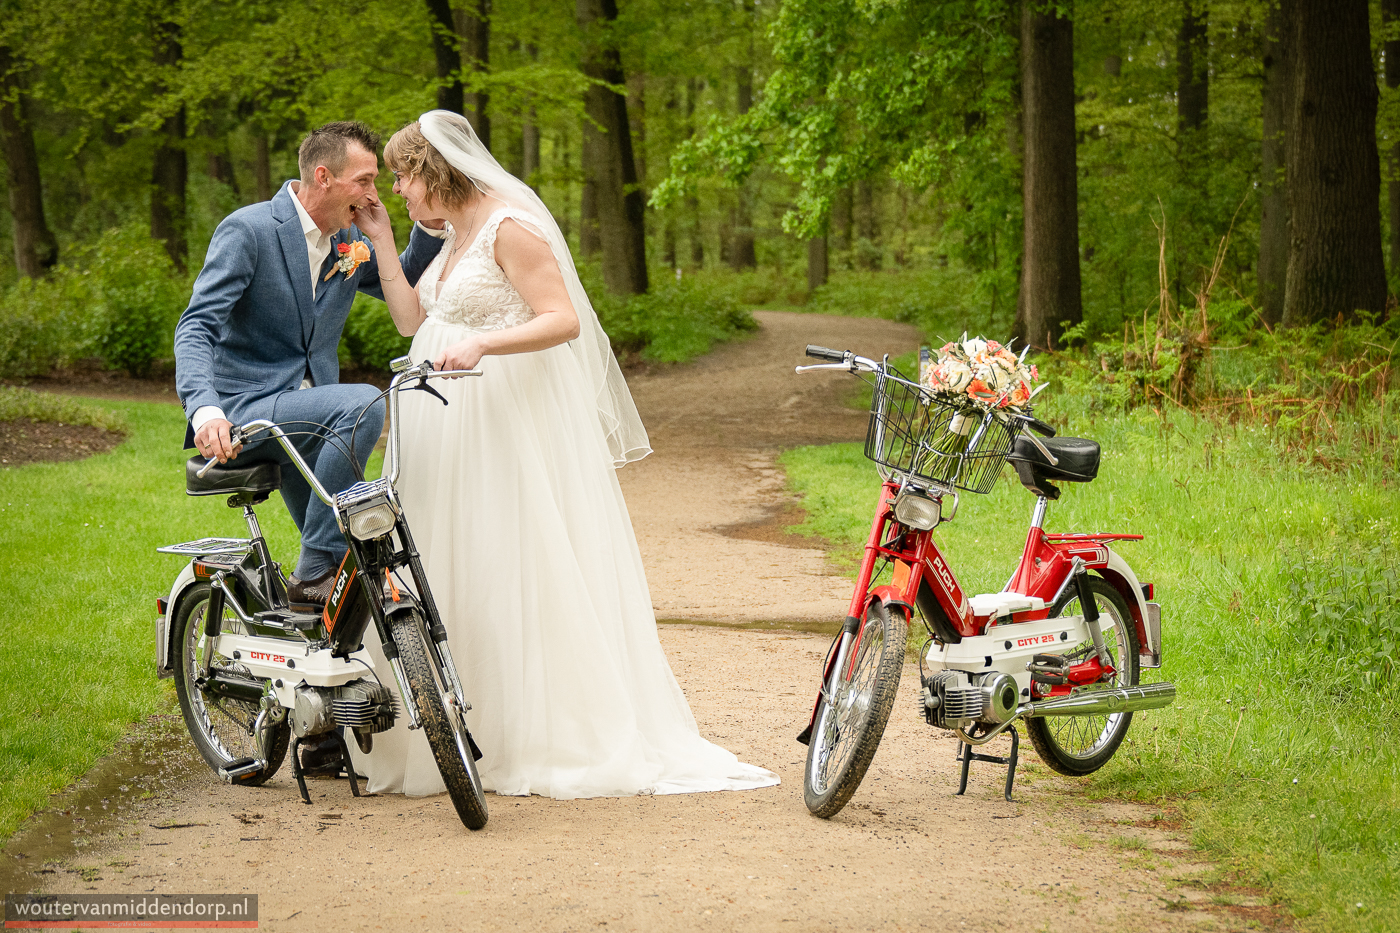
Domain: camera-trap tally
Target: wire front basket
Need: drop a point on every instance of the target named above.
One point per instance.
(916, 434)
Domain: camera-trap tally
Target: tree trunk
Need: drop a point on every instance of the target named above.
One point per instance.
(530, 137)
(816, 263)
(474, 28)
(1390, 13)
(841, 220)
(263, 162)
(1273, 191)
(742, 254)
(220, 166)
(1050, 285)
(867, 223)
(447, 55)
(170, 167)
(590, 241)
(621, 204)
(36, 250)
(1192, 86)
(1335, 262)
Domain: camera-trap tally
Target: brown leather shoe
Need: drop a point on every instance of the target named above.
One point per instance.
(310, 595)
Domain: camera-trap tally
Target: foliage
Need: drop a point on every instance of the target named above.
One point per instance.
(1347, 606)
(16, 402)
(119, 300)
(676, 321)
(371, 340)
(140, 297)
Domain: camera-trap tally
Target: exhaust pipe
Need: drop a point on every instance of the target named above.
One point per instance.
(1103, 700)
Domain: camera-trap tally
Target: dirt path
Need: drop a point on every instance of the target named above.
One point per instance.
(906, 854)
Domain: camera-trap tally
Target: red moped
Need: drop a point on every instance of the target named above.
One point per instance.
(1059, 649)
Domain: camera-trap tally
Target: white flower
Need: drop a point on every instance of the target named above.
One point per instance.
(975, 346)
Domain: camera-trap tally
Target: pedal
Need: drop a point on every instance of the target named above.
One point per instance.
(1049, 669)
(288, 621)
(240, 768)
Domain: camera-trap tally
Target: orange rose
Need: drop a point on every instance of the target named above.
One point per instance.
(359, 251)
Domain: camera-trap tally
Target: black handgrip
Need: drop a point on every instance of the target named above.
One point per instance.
(822, 353)
(1039, 427)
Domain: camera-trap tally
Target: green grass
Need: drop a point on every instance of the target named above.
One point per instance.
(17, 403)
(79, 577)
(1304, 800)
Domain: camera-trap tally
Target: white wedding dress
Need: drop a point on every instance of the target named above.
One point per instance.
(515, 506)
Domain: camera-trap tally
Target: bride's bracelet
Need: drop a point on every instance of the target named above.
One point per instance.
(391, 278)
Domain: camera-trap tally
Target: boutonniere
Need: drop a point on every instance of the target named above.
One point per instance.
(351, 255)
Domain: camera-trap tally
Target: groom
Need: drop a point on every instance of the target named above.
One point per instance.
(259, 337)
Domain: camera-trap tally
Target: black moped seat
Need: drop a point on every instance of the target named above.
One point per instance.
(257, 479)
(1078, 462)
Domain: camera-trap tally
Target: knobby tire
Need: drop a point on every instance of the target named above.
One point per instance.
(862, 710)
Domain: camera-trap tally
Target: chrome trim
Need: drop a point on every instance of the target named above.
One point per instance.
(207, 546)
(1104, 700)
(1038, 513)
(1045, 451)
(1152, 657)
(408, 704)
(230, 600)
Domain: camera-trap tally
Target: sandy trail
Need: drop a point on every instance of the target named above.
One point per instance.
(905, 854)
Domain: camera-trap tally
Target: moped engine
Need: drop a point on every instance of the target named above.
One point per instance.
(956, 699)
(362, 705)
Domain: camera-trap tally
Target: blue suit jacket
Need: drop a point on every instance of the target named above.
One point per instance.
(252, 329)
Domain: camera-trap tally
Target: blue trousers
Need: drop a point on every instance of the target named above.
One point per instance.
(335, 407)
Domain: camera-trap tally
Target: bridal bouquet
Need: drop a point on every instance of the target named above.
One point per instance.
(973, 377)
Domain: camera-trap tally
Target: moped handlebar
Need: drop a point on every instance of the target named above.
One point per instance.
(424, 371)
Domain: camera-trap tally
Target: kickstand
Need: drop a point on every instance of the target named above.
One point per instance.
(345, 760)
(967, 756)
(296, 770)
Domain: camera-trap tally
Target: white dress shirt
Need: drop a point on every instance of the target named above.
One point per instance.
(318, 247)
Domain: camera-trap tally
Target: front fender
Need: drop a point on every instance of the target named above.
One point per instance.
(892, 598)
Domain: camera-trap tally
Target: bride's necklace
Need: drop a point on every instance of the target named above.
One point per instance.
(458, 240)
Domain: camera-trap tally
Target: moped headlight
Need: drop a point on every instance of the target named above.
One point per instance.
(371, 521)
(917, 511)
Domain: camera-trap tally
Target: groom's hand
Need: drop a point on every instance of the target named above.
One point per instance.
(213, 442)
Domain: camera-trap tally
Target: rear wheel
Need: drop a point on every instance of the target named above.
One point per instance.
(442, 721)
(853, 711)
(222, 727)
(1079, 745)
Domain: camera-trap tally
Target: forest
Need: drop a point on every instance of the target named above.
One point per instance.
(1055, 171)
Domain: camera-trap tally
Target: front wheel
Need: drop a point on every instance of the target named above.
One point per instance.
(442, 723)
(222, 727)
(1079, 745)
(853, 711)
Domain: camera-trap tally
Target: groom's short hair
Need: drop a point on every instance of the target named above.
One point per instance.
(329, 146)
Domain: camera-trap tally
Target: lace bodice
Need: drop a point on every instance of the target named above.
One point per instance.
(477, 294)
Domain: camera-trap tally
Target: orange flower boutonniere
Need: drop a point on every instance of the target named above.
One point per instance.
(351, 255)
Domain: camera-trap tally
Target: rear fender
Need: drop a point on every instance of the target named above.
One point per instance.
(1122, 578)
(165, 633)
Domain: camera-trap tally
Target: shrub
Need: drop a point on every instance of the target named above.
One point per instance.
(674, 322)
(370, 339)
(119, 301)
(141, 299)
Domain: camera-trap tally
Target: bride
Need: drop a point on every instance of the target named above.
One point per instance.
(516, 506)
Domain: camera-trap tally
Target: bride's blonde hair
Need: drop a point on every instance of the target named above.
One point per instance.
(409, 153)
